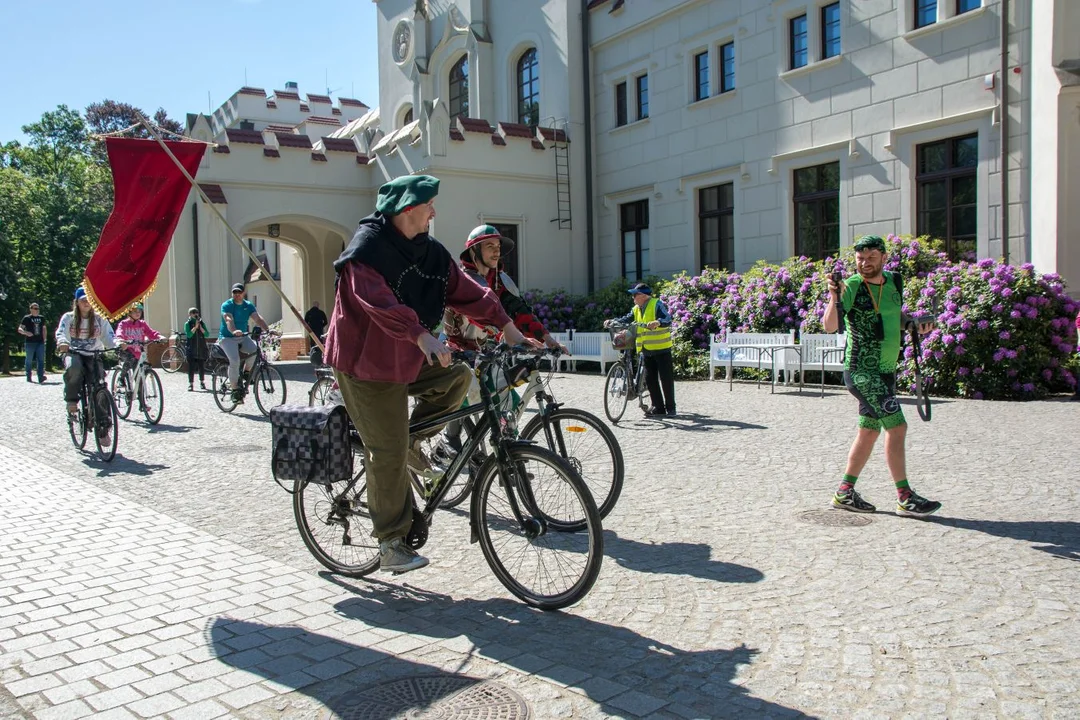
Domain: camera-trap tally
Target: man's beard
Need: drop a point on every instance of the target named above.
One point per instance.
(871, 274)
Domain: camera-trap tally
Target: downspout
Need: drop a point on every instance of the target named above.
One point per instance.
(195, 241)
(586, 73)
(1004, 36)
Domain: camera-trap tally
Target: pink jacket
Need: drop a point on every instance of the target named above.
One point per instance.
(129, 329)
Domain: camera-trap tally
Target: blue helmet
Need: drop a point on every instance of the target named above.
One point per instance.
(80, 293)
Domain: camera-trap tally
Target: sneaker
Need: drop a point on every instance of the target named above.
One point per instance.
(917, 506)
(73, 408)
(443, 454)
(416, 460)
(238, 397)
(29, 379)
(671, 412)
(202, 385)
(852, 501)
(105, 435)
(396, 557)
(42, 379)
(653, 411)
(191, 388)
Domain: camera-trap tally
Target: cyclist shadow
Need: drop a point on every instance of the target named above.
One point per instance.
(121, 465)
(691, 422)
(557, 646)
(1060, 538)
(165, 428)
(676, 558)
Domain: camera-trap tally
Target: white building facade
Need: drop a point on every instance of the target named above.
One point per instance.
(627, 138)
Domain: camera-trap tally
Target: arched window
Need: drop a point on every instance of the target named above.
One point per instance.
(459, 88)
(407, 118)
(528, 88)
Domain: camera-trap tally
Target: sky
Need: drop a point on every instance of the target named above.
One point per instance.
(170, 55)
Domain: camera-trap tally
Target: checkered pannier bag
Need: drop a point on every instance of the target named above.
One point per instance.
(310, 444)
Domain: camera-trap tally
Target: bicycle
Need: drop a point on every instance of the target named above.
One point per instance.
(144, 385)
(523, 533)
(175, 355)
(99, 414)
(577, 436)
(263, 377)
(625, 379)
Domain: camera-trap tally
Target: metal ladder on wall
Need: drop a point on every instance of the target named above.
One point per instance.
(555, 138)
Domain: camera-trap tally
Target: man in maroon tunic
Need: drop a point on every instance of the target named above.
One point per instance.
(393, 283)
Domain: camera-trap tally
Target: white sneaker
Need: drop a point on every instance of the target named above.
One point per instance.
(397, 557)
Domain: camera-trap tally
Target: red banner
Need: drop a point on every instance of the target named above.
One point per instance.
(149, 195)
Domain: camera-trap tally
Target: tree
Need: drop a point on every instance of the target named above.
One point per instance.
(110, 116)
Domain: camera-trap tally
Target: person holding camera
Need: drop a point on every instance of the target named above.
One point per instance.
(195, 331)
(872, 302)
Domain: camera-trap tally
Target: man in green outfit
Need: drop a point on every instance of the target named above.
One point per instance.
(872, 304)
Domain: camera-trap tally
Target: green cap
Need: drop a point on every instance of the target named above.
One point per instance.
(400, 194)
(870, 242)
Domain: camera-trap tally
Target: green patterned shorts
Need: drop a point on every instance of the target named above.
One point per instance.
(876, 392)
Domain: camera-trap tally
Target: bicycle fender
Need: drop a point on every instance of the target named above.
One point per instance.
(474, 501)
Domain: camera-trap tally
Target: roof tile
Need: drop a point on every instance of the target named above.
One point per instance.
(335, 111)
(292, 140)
(350, 102)
(221, 148)
(362, 160)
(475, 125)
(538, 145)
(324, 120)
(271, 104)
(550, 134)
(304, 107)
(251, 91)
(520, 130)
(339, 144)
(318, 98)
(215, 193)
(455, 134)
(286, 95)
(318, 156)
(236, 135)
(497, 139)
(271, 152)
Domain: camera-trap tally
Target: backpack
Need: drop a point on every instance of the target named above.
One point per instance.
(310, 444)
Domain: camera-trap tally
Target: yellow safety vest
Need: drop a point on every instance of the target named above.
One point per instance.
(658, 339)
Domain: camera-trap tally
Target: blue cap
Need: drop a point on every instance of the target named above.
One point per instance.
(640, 288)
(80, 293)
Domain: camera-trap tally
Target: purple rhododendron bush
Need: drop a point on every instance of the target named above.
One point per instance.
(1004, 332)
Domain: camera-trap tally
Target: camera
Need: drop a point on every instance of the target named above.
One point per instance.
(838, 280)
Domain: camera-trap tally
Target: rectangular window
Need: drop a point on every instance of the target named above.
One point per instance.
(817, 211)
(947, 193)
(830, 30)
(798, 54)
(642, 83)
(634, 228)
(701, 75)
(727, 67)
(963, 6)
(510, 260)
(925, 13)
(716, 226)
(620, 104)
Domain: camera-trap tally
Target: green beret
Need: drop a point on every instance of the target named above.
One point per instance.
(400, 194)
(870, 242)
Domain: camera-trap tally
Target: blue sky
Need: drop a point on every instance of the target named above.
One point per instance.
(169, 55)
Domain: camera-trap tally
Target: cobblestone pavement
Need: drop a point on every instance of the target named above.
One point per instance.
(172, 582)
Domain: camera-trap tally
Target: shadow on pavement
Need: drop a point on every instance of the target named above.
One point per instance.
(676, 558)
(1061, 538)
(166, 428)
(555, 645)
(692, 422)
(121, 465)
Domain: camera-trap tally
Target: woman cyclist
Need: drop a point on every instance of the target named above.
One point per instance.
(82, 329)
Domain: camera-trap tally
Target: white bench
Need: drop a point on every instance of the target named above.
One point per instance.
(592, 346)
(822, 352)
(752, 350)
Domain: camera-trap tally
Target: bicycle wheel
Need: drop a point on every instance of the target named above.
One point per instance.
(319, 394)
(543, 566)
(222, 392)
(172, 359)
(77, 426)
(152, 397)
(335, 524)
(105, 420)
(639, 384)
(589, 446)
(269, 387)
(120, 386)
(616, 388)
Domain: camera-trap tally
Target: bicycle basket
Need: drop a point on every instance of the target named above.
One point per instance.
(623, 339)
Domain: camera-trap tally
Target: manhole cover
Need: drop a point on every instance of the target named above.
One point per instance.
(430, 697)
(834, 518)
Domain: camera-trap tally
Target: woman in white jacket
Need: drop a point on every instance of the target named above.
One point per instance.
(81, 329)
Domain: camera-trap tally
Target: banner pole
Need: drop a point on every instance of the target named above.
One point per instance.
(240, 241)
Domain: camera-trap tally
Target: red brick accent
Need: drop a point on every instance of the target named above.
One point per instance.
(551, 135)
(455, 134)
(520, 130)
(339, 144)
(286, 95)
(271, 104)
(538, 145)
(350, 102)
(251, 91)
(335, 111)
(304, 107)
(318, 98)
(292, 348)
(318, 156)
(323, 120)
(477, 125)
(362, 160)
(271, 152)
(236, 135)
(293, 141)
(497, 139)
(222, 149)
(215, 193)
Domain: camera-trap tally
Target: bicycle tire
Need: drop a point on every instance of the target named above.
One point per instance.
(602, 468)
(319, 394)
(263, 384)
(583, 550)
(172, 359)
(338, 514)
(466, 479)
(108, 452)
(222, 393)
(641, 385)
(616, 392)
(77, 426)
(152, 396)
(120, 386)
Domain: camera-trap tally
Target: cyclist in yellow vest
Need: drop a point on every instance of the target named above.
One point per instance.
(654, 345)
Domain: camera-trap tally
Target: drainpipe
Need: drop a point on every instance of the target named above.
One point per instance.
(1005, 130)
(586, 73)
